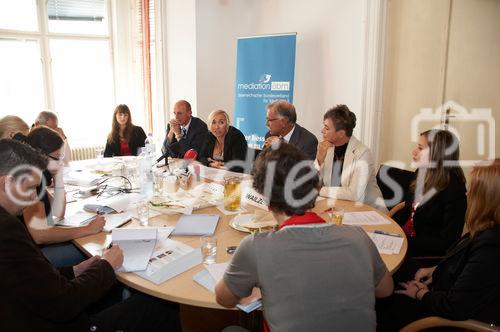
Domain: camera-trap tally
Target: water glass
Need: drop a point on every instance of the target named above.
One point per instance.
(170, 184)
(143, 212)
(208, 249)
(158, 183)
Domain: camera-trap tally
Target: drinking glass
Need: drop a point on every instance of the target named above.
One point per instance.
(143, 212)
(232, 193)
(208, 249)
(336, 215)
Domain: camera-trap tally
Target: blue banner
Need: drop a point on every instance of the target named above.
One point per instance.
(264, 73)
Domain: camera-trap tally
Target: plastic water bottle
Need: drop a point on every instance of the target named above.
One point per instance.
(149, 144)
(146, 174)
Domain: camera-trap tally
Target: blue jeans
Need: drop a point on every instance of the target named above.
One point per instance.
(63, 254)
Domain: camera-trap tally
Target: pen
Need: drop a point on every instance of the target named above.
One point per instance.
(387, 233)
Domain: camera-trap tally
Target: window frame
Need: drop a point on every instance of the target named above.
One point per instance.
(43, 37)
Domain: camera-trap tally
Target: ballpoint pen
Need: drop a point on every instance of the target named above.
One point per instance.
(387, 233)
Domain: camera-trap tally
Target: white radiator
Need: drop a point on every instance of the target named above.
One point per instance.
(85, 152)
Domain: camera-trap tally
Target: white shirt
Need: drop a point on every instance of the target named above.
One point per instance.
(287, 137)
(187, 126)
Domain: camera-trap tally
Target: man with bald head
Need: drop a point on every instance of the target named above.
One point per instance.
(184, 131)
(281, 121)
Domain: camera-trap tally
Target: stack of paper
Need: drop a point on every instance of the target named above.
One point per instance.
(387, 244)
(185, 201)
(364, 218)
(137, 245)
(82, 178)
(169, 259)
(76, 220)
(215, 174)
(210, 275)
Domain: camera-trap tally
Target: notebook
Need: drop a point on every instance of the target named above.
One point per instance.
(196, 224)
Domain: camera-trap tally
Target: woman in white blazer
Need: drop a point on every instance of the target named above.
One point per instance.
(345, 164)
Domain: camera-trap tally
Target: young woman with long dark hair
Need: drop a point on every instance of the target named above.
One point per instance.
(433, 215)
(124, 139)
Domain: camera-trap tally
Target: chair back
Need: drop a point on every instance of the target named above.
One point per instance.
(434, 321)
(394, 183)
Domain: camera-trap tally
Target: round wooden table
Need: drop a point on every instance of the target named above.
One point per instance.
(182, 288)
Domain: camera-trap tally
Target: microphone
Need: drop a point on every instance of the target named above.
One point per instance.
(168, 153)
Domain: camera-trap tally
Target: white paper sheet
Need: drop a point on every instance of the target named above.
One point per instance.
(137, 245)
(216, 174)
(387, 244)
(116, 220)
(210, 276)
(217, 270)
(364, 218)
(221, 208)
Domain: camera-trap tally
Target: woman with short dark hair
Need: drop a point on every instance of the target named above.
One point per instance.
(125, 139)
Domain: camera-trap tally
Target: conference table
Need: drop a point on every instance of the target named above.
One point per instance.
(182, 288)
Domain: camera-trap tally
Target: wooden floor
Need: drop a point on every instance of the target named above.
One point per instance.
(196, 319)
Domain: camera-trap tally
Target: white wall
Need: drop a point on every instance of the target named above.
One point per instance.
(180, 27)
(425, 70)
(329, 58)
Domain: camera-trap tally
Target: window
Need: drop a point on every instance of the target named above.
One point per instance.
(18, 15)
(62, 55)
(21, 76)
(75, 75)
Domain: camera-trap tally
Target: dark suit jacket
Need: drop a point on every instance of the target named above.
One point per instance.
(235, 148)
(438, 222)
(304, 140)
(466, 284)
(194, 139)
(36, 296)
(137, 139)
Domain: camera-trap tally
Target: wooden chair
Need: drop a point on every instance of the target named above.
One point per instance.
(434, 321)
(396, 208)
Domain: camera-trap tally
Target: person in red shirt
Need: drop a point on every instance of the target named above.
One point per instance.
(124, 139)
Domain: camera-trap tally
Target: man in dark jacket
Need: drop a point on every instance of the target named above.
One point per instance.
(38, 297)
(184, 131)
(281, 120)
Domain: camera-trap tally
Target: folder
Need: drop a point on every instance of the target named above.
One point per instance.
(196, 225)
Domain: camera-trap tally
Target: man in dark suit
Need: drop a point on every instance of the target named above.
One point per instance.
(184, 131)
(281, 121)
(39, 297)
